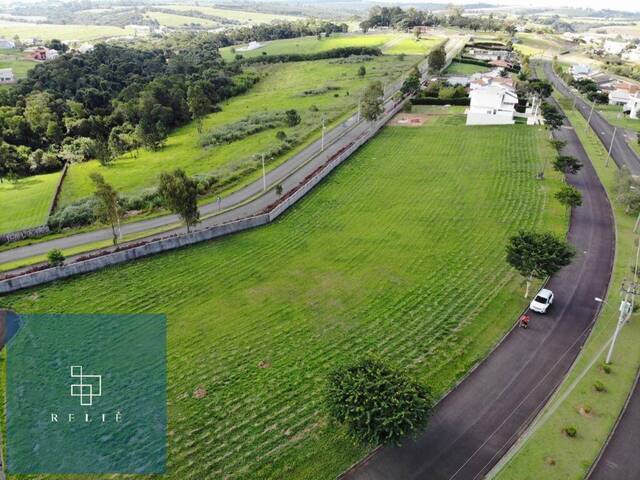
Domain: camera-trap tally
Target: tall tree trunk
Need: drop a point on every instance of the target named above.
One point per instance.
(115, 236)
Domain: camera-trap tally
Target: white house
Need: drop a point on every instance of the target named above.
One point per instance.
(580, 70)
(251, 46)
(85, 48)
(5, 43)
(6, 75)
(622, 92)
(492, 105)
(614, 48)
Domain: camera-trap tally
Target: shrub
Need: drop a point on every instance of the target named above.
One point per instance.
(570, 431)
(77, 214)
(304, 57)
(247, 126)
(606, 368)
(599, 386)
(376, 403)
(55, 257)
(440, 101)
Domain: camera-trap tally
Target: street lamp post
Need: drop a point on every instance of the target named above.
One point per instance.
(615, 129)
(323, 128)
(264, 176)
(593, 104)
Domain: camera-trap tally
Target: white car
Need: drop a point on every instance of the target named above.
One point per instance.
(542, 301)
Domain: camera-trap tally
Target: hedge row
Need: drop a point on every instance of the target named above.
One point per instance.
(343, 52)
(484, 63)
(440, 101)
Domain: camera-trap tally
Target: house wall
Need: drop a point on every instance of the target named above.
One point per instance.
(481, 118)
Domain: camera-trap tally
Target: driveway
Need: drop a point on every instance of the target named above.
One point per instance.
(474, 425)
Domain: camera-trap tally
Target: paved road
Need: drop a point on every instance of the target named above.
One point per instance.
(621, 152)
(474, 426)
(621, 458)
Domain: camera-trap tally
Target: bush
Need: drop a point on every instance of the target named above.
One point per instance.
(250, 125)
(55, 257)
(606, 368)
(75, 215)
(599, 386)
(570, 431)
(376, 403)
(304, 57)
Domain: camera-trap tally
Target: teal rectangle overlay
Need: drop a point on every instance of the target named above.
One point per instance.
(86, 394)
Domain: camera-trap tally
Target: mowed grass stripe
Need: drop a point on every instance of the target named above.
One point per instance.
(399, 253)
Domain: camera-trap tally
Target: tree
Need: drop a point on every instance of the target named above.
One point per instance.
(199, 104)
(372, 105)
(179, 194)
(538, 255)
(412, 82)
(540, 87)
(552, 117)
(437, 59)
(569, 196)
(567, 164)
(107, 207)
(378, 404)
(292, 118)
(55, 257)
(417, 32)
(362, 71)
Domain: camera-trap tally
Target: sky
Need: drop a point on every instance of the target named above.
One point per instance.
(627, 5)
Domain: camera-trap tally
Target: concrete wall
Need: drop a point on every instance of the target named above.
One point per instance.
(162, 245)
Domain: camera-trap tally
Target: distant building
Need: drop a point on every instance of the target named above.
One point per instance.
(634, 106)
(493, 77)
(251, 46)
(6, 75)
(85, 48)
(490, 55)
(614, 48)
(6, 44)
(580, 70)
(42, 54)
(492, 105)
(622, 93)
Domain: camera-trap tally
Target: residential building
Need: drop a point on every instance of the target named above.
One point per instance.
(85, 48)
(492, 105)
(634, 106)
(42, 53)
(5, 44)
(6, 75)
(613, 47)
(493, 77)
(622, 92)
(580, 70)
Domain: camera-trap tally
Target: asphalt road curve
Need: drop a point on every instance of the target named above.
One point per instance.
(474, 425)
(621, 152)
(620, 459)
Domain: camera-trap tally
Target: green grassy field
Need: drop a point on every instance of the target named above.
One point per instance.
(399, 253)
(409, 46)
(172, 20)
(16, 60)
(549, 453)
(243, 16)
(459, 68)
(281, 88)
(46, 31)
(26, 203)
(613, 114)
(313, 45)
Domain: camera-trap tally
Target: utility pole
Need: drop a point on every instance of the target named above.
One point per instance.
(264, 176)
(615, 129)
(630, 290)
(359, 108)
(593, 104)
(322, 146)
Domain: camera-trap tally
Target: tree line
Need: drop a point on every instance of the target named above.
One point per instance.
(109, 101)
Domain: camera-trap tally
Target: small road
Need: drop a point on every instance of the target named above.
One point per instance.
(621, 152)
(475, 424)
(620, 459)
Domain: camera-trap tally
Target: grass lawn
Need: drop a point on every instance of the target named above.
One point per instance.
(26, 203)
(409, 45)
(46, 31)
(281, 88)
(400, 253)
(613, 114)
(243, 16)
(313, 45)
(459, 68)
(15, 59)
(172, 20)
(572, 457)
